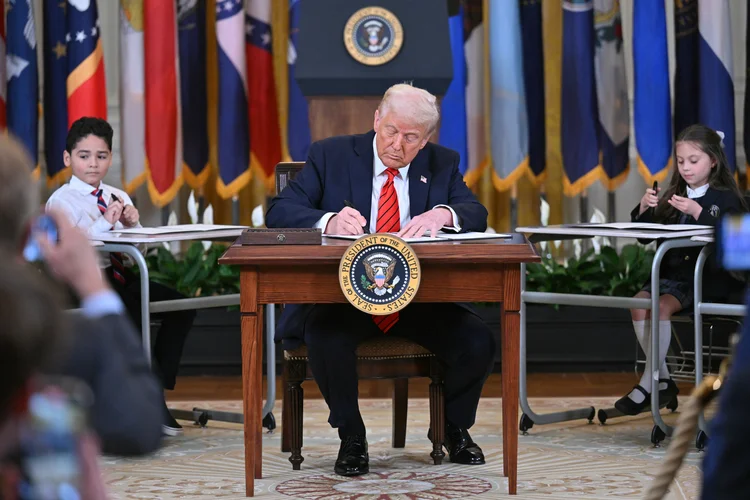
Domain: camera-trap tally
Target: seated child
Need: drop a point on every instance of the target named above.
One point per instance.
(700, 192)
(96, 207)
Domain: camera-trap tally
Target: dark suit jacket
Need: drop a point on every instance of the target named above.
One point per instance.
(679, 263)
(106, 353)
(341, 168)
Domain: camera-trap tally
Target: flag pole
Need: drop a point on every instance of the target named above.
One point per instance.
(201, 204)
(165, 215)
(611, 207)
(584, 206)
(235, 210)
(514, 206)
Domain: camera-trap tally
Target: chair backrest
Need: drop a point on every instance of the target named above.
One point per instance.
(285, 172)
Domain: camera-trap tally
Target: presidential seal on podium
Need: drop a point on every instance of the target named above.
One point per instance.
(373, 36)
(379, 274)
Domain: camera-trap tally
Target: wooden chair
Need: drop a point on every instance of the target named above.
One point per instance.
(386, 357)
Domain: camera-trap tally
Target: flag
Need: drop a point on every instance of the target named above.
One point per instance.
(612, 93)
(265, 134)
(3, 76)
(191, 27)
(509, 133)
(87, 93)
(298, 122)
(132, 107)
(453, 113)
(22, 105)
(163, 137)
(716, 85)
(55, 91)
(533, 73)
(474, 51)
(653, 109)
(580, 114)
(234, 154)
(687, 66)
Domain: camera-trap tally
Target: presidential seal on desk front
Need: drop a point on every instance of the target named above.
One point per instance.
(373, 36)
(379, 274)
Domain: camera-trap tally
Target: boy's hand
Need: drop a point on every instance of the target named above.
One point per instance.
(686, 206)
(72, 259)
(130, 216)
(114, 212)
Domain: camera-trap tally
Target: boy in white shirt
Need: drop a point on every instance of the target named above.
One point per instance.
(97, 207)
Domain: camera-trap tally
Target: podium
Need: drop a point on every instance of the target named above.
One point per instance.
(393, 41)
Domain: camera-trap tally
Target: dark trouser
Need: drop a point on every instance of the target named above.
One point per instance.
(170, 339)
(458, 337)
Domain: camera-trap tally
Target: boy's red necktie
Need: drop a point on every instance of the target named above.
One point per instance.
(388, 221)
(118, 268)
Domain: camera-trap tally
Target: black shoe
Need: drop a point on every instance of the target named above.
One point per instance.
(671, 392)
(353, 459)
(170, 427)
(627, 406)
(461, 448)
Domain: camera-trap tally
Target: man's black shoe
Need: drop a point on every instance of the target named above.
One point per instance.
(353, 459)
(461, 448)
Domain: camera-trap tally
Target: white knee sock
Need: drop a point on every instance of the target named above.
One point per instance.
(643, 334)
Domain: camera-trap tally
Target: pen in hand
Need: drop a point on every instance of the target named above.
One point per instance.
(349, 204)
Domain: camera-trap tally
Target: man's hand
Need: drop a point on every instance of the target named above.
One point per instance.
(686, 206)
(114, 212)
(72, 258)
(434, 220)
(348, 221)
(130, 216)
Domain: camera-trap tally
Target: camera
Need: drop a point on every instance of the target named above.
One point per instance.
(733, 243)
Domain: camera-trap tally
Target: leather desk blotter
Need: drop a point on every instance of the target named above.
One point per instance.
(301, 236)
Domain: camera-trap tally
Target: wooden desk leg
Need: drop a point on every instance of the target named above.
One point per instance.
(511, 325)
(252, 376)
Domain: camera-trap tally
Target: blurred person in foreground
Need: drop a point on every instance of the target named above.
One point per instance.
(103, 350)
(40, 449)
(727, 461)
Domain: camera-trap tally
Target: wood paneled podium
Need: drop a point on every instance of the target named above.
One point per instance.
(471, 271)
(342, 91)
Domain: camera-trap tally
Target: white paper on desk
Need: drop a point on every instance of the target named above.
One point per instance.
(643, 225)
(179, 228)
(472, 236)
(422, 239)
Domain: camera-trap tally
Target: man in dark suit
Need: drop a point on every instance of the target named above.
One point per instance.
(393, 180)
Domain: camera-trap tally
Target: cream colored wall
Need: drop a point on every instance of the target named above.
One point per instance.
(627, 196)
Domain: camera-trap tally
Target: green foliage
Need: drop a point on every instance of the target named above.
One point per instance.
(196, 274)
(607, 273)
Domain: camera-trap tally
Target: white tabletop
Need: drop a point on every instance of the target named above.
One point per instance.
(592, 231)
(704, 239)
(227, 233)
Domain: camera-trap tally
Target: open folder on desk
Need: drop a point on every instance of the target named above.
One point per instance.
(643, 226)
(178, 228)
(440, 238)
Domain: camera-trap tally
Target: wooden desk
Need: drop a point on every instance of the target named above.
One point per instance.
(476, 271)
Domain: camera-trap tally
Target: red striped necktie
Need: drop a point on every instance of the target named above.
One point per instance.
(388, 221)
(118, 268)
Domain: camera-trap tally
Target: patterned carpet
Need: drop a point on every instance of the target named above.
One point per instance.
(570, 460)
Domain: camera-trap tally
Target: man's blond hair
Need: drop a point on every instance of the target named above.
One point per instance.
(19, 195)
(408, 101)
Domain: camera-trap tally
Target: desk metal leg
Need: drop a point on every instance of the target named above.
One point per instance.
(661, 429)
(529, 418)
(698, 319)
(202, 415)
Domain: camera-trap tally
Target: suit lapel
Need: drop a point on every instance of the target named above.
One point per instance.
(419, 184)
(360, 174)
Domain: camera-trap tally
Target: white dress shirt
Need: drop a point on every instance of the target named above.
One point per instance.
(401, 183)
(76, 200)
(697, 193)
